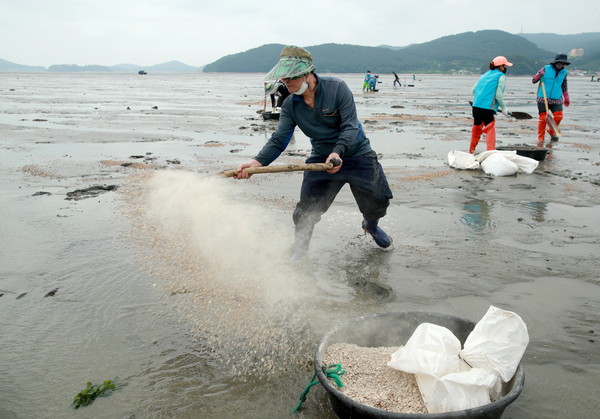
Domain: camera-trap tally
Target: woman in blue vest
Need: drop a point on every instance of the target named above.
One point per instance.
(373, 83)
(488, 97)
(554, 76)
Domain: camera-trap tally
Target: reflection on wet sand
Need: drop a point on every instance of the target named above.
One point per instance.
(537, 210)
(476, 216)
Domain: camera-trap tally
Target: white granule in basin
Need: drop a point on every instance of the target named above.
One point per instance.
(369, 381)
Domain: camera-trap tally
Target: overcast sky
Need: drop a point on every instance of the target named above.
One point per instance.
(198, 32)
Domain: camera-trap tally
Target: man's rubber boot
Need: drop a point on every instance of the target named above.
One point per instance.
(301, 241)
(476, 131)
(380, 236)
(490, 135)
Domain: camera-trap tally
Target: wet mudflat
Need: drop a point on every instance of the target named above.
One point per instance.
(177, 281)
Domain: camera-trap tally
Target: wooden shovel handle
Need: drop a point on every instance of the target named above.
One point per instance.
(549, 118)
(545, 98)
(315, 167)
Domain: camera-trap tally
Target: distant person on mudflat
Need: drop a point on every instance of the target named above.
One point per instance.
(488, 97)
(373, 83)
(396, 80)
(366, 81)
(278, 93)
(324, 109)
(554, 77)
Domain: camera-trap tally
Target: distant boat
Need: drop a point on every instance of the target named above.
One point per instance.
(142, 72)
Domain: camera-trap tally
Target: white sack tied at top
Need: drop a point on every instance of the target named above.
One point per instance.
(497, 343)
(498, 165)
(462, 160)
(493, 162)
(446, 382)
(456, 391)
(505, 162)
(431, 350)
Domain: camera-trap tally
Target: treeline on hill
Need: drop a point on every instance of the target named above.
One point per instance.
(468, 52)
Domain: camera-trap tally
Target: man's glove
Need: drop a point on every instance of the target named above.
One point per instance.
(567, 99)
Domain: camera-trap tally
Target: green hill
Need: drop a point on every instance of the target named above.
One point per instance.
(589, 41)
(589, 63)
(7, 66)
(74, 68)
(472, 51)
(169, 67)
(468, 52)
(256, 60)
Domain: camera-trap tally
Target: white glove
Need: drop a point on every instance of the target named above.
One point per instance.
(505, 112)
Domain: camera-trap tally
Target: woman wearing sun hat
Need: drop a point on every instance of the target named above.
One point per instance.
(488, 97)
(554, 77)
(324, 109)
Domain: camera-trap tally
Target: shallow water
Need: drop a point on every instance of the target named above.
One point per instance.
(177, 283)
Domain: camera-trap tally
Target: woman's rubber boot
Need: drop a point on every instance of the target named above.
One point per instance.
(490, 135)
(558, 116)
(476, 131)
(541, 127)
(380, 236)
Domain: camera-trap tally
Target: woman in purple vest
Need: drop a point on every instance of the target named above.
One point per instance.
(488, 95)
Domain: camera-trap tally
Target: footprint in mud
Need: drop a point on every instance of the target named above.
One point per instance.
(522, 186)
(365, 272)
(372, 290)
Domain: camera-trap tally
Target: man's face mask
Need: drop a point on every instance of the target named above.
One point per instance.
(302, 88)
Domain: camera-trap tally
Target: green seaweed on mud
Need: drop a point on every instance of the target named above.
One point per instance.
(91, 392)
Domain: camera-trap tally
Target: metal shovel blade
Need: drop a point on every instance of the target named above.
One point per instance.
(553, 126)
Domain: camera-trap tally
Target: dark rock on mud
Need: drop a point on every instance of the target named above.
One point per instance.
(90, 192)
(51, 293)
